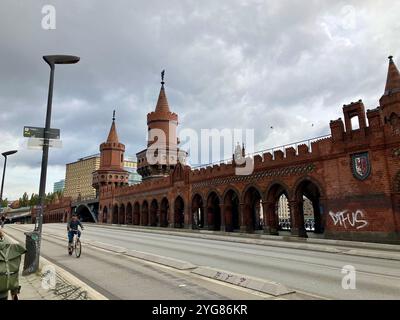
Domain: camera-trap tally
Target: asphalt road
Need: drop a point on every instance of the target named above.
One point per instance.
(119, 277)
(312, 272)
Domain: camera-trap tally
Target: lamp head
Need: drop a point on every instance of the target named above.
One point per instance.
(60, 59)
(8, 153)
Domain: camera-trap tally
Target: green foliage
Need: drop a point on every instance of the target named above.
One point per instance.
(4, 203)
(25, 201)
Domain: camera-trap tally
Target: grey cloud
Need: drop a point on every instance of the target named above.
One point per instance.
(240, 64)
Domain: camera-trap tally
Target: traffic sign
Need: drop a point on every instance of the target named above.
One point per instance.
(36, 132)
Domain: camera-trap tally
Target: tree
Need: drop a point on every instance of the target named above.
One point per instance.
(34, 201)
(4, 203)
(24, 201)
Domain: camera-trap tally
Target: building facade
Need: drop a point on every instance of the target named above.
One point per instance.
(348, 183)
(78, 178)
(59, 186)
(130, 165)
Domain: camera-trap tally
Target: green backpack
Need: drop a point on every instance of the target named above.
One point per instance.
(10, 260)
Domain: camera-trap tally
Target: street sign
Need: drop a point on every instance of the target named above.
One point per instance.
(35, 143)
(36, 132)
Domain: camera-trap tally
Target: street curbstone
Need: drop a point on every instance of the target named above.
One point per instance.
(257, 284)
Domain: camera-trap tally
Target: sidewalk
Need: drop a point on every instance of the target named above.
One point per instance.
(53, 283)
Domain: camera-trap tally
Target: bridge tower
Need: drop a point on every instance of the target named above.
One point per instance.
(162, 153)
(390, 101)
(111, 171)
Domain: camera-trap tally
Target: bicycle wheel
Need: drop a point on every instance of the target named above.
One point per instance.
(78, 247)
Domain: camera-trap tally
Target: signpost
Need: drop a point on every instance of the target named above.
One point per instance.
(36, 132)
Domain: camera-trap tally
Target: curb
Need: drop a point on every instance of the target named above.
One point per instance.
(257, 284)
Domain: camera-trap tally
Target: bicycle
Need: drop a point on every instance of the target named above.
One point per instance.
(76, 246)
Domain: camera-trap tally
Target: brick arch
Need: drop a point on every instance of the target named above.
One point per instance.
(144, 213)
(213, 190)
(121, 214)
(136, 213)
(251, 214)
(231, 209)
(252, 185)
(129, 213)
(272, 221)
(164, 210)
(197, 205)
(310, 179)
(230, 188)
(316, 194)
(179, 211)
(198, 194)
(275, 183)
(213, 209)
(153, 213)
(114, 215)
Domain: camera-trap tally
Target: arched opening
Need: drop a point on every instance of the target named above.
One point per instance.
(253, 211)
(144, 217)
(282, 211)
(154, 218)
(121, 215)
(231, 211)
(213, 212)
(164, 208)
(197, 212)
(129, 214)
(309, 207)
(105, 215)
(136, 214)
(115, 214)
(277, 210)
(179, 210)
(84, 214)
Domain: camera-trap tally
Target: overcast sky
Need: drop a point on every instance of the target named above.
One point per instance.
(229, 64)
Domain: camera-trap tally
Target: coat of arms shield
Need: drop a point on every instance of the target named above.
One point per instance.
(361, 165)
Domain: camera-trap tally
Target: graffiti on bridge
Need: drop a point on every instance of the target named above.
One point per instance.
(347, 219)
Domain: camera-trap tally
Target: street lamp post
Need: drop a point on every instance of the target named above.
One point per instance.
(5, 155)
(51, 60)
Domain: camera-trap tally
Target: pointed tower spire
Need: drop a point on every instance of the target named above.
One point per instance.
(113, 136)
(393, 78)
(162, 103)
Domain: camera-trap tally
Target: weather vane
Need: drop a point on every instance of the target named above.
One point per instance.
(114, 115)
(162, 77)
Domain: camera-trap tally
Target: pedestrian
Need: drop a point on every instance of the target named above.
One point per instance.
(10, 260)
(3, 220)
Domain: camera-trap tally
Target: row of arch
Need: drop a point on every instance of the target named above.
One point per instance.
(54, 217)
(146, 213)
(277, 209)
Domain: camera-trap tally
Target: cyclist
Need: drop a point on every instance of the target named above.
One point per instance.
(73, 229)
